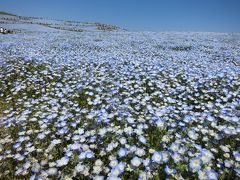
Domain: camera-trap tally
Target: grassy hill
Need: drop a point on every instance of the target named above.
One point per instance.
(5, 13)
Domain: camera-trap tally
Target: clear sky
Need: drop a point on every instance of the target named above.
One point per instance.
(150, 15)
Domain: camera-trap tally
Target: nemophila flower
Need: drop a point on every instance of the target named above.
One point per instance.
(80, 131)
(17, 145)
(135, 162)
(69, 153)
(97, 169)
(62, 124)
(33, 177)
(86, 171)
(115, 172)
(169, 171)
(159, 113)
(75, 146)
(98, 162)
(138, 131)
(89, 154)
(113, 178)
(110, 147)
(98, 178)
(195, 164)
(146, 162)
(177, 157)
(113, 163)
(41, 136)
(238, 130)
(210, 118)
(157, 157)
(19, 171)
(62, 131)
(202, 175)
(52, 171)
(236, 155)
(142, 176)
(36, 167)
(132, 148)
(123, 140)
(140, 152)
(90, 116)
(182, 150)
(228, 163)
(63, 161)
(128, 130)
(27, 165)
(174, 147)
(43, 162)
(82, 155)
(188, 119)
(76, 137)
(142, 139)
(19, 157)
(206, 156)
(237, 170)
(229, 131)
(122, 152)
(121, 166)
(85, 147)
(21, 139)
(165, 156)
(193, 135)
(235, 119)
(79, 168)
(212, 175)
(160, 123)
(130, 120)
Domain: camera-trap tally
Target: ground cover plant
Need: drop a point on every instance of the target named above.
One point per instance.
(119, 105)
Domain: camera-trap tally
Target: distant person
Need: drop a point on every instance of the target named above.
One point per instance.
(1, 30)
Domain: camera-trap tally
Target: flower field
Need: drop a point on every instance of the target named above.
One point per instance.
(119, 105)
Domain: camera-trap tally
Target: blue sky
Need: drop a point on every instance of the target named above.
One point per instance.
(151, 15)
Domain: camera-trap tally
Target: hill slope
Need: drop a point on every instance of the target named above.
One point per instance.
(8, 18)
(6, 13)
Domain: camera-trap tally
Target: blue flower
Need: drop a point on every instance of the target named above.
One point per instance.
(174, 147)
(121, 166)
(169, 171)
(195, 164)
(157, 157)
(122, 152)
(98, 178)
(160, 123)
(63, 161)
(136, 161)
(62, 131)
(142, 139)
(17, 145)
(146, 162)
(206, 156)
(89, 154)
(177, 157)
(236, 155)
(212, 175)
(237, 170)
(36, 168)
(165, 156)
(193, 135)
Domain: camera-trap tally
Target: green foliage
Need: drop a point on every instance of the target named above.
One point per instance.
(6, 13)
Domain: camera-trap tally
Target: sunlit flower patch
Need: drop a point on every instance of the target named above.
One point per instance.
(120, 108)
